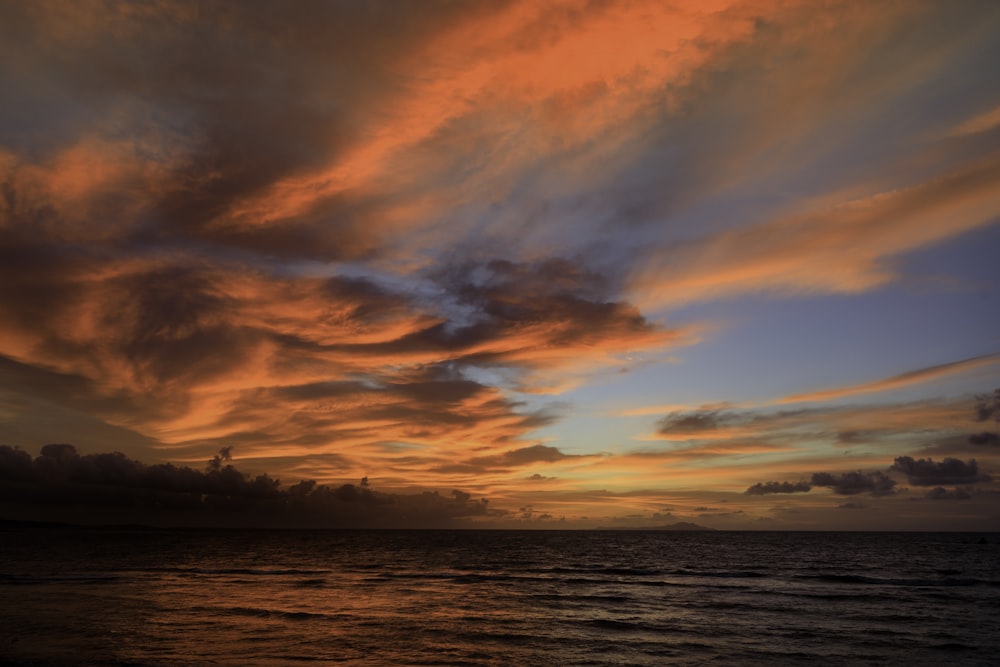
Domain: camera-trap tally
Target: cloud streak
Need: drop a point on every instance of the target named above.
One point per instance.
(897, 381)
(806, 253)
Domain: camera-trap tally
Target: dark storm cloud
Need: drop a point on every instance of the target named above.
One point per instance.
(850, 483)
(764, 488)
(927, 472)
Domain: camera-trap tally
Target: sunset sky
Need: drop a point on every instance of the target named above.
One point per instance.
(606, 263)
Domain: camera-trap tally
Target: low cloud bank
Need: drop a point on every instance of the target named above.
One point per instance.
(843, 484)
(851, 483)
(927, 472)
(765, 488)
(919, 472)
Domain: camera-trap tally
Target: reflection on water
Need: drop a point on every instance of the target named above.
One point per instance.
(398, 597)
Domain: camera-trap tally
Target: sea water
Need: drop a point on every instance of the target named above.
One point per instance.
(146, 597)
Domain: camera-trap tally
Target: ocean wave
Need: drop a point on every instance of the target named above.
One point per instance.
(611, 624)
(311, 583)
(254, 572)
(893, 581)
(260, 612)
(598, 599)
(81, 578)
(724, 574)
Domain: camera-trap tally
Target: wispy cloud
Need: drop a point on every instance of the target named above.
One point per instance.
(896, 381)
(845, 249)
(984, 122)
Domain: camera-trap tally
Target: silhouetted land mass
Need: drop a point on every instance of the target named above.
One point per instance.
(679, 526)
(683, 525)
(63, 486)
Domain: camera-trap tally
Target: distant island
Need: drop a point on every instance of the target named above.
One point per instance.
(679, 526)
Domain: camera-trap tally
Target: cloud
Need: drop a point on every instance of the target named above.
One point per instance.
(765, 488)
(983, 122)
(139, 343)
(852, 506)
(963, 444)
(897, 381)
(985, 438)
(850, 483)
(680, 424)
(515, 458)
(794, 133)
(347, 119)
(988, 406)
(927, 472)
(720, 449)
(805, 254)
(941, 493)
(712, 424)
(849, 430)
(543, 314)
(846, 484)
(145, 72)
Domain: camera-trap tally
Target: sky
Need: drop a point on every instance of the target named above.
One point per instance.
(605, 263)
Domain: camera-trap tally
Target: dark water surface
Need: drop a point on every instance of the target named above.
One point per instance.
(79, 597)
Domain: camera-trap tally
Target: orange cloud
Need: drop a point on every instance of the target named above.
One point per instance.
(983, 122)
(574, 69)
(198, 356)
(841, 250)
(897, 381)
(92, 191)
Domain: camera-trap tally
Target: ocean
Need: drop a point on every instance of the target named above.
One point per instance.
(151, 597)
